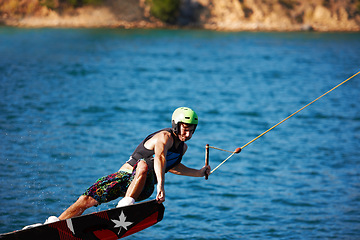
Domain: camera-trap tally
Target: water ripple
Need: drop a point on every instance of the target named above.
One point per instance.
(76, 103)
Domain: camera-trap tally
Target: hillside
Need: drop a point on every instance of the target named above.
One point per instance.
(227, 15)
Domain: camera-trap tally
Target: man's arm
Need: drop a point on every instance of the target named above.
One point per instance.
(181, 169)
(163, 142)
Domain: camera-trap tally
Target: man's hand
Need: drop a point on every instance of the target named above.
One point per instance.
(205, 170)
(160, 197)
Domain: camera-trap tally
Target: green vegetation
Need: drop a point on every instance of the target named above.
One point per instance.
(289, 4)
(326, 3)
(165, 10)
(56, 4)
(247, 11)
(49, 3)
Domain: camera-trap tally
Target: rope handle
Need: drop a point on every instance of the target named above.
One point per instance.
(206, 160)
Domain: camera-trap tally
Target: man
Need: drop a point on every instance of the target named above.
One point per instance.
(157, 154)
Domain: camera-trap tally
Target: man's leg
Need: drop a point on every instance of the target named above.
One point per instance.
(83, 203)
(136, 186)
(138, 183)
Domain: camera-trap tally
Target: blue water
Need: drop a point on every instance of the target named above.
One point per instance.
(74, 103)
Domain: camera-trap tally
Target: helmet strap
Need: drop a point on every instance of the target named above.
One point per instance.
(175, 127)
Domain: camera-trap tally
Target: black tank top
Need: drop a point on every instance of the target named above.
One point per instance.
(173, 156)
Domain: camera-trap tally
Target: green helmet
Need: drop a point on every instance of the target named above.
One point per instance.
(183, 115)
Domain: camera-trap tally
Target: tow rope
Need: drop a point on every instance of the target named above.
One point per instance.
(237, 150)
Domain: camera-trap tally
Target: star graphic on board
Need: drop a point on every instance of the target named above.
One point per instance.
(121, 222)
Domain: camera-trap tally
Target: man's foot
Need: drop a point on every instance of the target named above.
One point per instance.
(126, 201)
(51, 219)
(32, 226)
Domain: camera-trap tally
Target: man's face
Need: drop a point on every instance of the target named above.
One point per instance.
(186, 131)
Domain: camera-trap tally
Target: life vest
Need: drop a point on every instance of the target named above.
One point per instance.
(173, 155)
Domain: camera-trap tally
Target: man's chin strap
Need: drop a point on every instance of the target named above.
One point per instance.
(176, 127)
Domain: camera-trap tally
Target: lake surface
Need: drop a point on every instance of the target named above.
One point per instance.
(74, 104)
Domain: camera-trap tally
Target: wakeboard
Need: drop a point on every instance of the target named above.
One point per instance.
(105, 225)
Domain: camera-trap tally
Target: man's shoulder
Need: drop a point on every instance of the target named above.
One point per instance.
(164, 134)
(161, 137)
(164, 137)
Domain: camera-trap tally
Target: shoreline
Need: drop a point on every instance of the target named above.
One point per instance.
(37, 23)
(320, 20)
(252, 27)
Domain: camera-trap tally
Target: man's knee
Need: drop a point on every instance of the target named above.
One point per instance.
(87, 201)
(141, 168)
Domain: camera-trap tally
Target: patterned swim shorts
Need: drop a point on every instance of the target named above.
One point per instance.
(115, 185)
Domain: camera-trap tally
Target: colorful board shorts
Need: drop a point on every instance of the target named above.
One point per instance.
(115, 185)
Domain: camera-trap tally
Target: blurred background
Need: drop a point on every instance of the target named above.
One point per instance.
(230, 15)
